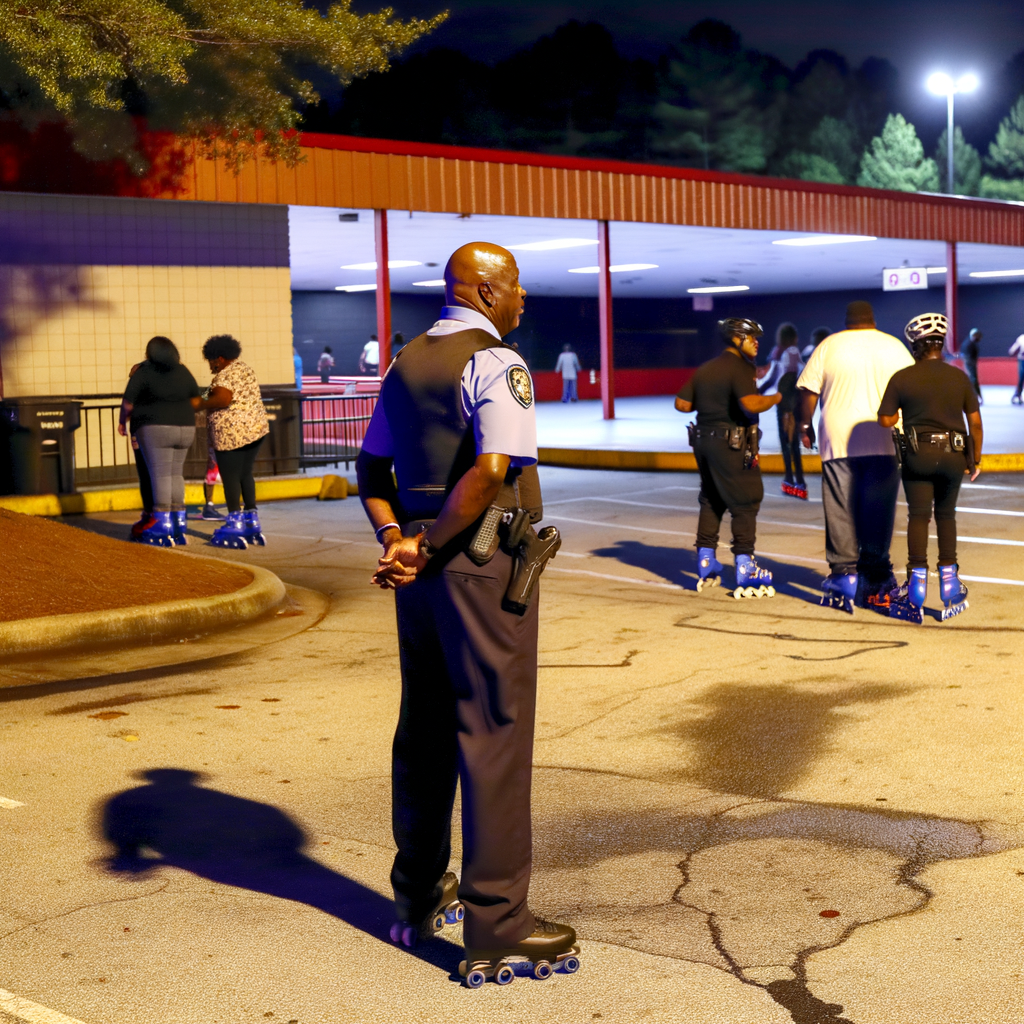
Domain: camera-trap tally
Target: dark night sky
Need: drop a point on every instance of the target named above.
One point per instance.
(916, 36)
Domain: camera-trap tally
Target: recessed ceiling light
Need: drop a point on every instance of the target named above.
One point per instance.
(934, 270)
(392, 265)
(824, 239)
(553, 243)
(355, 288)
(997, 273)
(617, 268)
(719, 288)
(439, 283)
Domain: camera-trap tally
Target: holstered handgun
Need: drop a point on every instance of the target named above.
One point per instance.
(899, 443)
(691, 433)
(529, 558)
(911, 436)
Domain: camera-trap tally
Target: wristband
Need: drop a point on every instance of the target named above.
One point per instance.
(381, 529)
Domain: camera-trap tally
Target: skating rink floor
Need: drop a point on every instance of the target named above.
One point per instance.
(652, 425)
(752, 811)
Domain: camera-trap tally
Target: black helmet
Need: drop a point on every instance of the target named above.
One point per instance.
(733, 325)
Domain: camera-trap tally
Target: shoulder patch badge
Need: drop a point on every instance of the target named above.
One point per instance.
(520, 384)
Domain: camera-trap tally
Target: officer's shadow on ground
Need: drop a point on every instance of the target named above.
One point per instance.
(679, 566)
(174, 821)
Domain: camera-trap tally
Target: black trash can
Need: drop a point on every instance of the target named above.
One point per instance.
(280, 453)
(37, 452)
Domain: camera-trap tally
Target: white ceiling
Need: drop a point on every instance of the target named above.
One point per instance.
(687, 257)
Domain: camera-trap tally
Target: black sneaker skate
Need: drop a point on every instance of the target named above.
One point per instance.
(550, 947)
(444, 908)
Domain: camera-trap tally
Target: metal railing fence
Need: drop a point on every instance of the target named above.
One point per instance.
(306, 431)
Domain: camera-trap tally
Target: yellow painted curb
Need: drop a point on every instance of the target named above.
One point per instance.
(127, 499)
(143, 624)
(593, 458)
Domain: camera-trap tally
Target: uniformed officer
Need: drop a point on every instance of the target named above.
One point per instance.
(724, 439)
(935, 450)
(456, 421)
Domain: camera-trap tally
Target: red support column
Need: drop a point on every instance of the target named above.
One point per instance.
(604, 316)
(380, 238)
(952, 335)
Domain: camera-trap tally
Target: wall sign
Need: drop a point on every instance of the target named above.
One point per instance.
(902, 279)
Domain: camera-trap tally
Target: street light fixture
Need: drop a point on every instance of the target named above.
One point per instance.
(942, 84)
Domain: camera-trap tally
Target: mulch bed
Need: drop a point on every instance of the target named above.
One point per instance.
(47, 568)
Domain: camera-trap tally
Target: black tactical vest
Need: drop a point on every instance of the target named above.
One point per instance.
(433, 442)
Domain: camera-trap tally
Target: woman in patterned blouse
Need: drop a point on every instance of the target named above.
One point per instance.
(237, 424)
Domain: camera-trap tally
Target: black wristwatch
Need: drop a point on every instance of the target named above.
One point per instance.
(427, 550)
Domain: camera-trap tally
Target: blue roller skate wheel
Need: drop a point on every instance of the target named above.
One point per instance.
(475, 979)
(504, 975)
(542, 970)
(571, 964)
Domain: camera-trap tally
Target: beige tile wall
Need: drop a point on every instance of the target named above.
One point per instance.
(77, 330)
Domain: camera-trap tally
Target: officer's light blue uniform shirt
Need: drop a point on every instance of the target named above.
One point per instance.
(497, 397)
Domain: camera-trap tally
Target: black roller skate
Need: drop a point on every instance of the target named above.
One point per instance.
(444, 908)
(877, 595)
(550, 947)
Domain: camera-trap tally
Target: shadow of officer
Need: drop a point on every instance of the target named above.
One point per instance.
(239, 842)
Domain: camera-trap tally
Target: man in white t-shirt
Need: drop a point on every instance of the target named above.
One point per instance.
(848, 372)
(369, 358)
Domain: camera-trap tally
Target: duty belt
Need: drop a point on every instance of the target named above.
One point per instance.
(947, 440)
(724, 432)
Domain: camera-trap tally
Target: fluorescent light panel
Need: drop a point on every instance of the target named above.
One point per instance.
(355, 288)
(719, 288)
(824, 239)
(392, 265)
(934, 270)
(617, 268)
(439, 283)
(553, 243)
(997, 273)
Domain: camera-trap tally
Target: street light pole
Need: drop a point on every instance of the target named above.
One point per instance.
(942, 84)
(950, 180)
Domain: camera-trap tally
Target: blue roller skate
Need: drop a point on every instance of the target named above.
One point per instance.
(253, 530)
(232, 534)
(840, 590)
(180, 526)
(952, 591)
(751, 579)
(907, 602)
(709, 569)
(159, 532)
(444, 908)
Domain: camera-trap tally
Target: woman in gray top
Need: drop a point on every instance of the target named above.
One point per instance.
(158, 402)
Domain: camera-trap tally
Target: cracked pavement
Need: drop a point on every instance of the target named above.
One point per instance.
(752, 811)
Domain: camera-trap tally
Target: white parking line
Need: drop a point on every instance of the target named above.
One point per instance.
(988, 511)
(31, 1013)
(617, 579)
(992, 579)
(6, 802)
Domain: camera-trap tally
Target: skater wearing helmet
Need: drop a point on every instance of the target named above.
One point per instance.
(860, 479)
(936, 450)
(456, 423)
(724, 439)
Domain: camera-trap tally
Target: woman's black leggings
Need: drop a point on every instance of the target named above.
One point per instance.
(932, 476)
(235, 467)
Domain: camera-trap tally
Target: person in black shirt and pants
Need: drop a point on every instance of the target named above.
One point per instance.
(936, 450)
(724, 393)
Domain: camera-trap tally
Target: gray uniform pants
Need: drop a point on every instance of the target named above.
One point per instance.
(469, 687)
(859, 498)
(164, 448)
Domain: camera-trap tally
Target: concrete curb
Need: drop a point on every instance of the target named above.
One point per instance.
(594, 458)
(127, 499)
(141, 625)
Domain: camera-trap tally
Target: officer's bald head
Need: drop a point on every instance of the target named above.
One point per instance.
(485, 277)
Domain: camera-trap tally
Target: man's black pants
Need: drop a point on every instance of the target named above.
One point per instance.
(932, 475)
(726, 485)
(469, 687)
(859, 498)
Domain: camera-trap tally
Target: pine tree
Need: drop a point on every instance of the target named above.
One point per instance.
(966, 164)
(721, 104)
(895, 160)
(230, 73)
(1006, 158)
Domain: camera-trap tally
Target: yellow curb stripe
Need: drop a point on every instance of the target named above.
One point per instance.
(595, 458)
